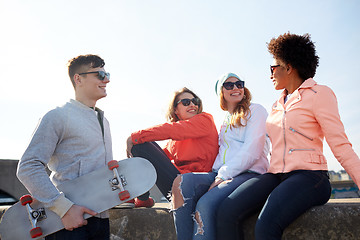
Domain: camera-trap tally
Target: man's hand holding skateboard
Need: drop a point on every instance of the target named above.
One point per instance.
(74, 217)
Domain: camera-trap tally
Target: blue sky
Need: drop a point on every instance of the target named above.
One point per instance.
(152, 48)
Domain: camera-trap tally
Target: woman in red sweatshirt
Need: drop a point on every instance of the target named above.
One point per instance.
(192, 145)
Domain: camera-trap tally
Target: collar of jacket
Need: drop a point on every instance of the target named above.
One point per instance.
(295, 96)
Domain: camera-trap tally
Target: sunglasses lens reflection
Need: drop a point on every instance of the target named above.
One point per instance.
(196, 101)
(230, 85)
(187, 101)
(102, 75)
(239, 84)
(272, 68)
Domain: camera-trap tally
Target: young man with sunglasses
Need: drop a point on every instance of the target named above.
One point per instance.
(71, 140)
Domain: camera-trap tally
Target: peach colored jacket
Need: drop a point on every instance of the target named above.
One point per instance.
(298, 127)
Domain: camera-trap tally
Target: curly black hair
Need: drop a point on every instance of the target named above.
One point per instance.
(82, 63)
(296, 50)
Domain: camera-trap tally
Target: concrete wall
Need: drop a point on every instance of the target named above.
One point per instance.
(142, 224)
(10, 184)
(336, 220)
(8, 180)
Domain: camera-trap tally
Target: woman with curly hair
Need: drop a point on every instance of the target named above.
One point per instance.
(297, 178)
(243, 149)
(192, 144)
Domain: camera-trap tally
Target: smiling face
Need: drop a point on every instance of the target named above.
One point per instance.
(89, 88)
(186, 112)
(233, 96)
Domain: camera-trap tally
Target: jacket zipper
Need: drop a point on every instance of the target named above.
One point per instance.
(293, 130)
(300, 149)
(284, 140)
(227, 126)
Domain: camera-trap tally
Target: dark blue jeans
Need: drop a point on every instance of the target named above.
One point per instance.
(165, 170)
(96, 229)
(281, 197)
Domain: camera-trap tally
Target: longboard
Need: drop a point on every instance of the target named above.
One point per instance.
(99, 191)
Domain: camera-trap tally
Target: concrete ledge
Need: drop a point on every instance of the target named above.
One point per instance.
(339, 219)
(142, 223)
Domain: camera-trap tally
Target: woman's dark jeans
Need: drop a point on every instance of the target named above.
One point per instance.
(281, 197)
(165, 170)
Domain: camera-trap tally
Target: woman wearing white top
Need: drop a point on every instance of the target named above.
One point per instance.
(243, 149)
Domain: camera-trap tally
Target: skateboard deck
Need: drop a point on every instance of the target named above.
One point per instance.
(99, 190)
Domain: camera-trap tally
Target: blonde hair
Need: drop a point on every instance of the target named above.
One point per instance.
(241, 111)
(170, 115)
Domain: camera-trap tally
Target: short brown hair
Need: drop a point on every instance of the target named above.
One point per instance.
(296, 50)
(83, 63)
(170, 115)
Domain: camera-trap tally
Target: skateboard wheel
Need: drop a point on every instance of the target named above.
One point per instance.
(35, 232)
(124, 195)
(113, 164)
(26, 199)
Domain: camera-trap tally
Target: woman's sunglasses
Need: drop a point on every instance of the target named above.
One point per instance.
(187, 101)
(230, 85)
(101, 74)
(272, 68)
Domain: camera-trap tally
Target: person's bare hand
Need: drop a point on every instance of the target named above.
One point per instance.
(129, 145)
(74, 217)
(217, 182)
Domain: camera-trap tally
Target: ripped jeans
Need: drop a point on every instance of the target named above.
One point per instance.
(196, 218)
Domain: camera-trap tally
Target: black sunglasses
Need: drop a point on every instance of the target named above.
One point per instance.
(187, 101)
(230, 85)
(272, 68)
(101, 74)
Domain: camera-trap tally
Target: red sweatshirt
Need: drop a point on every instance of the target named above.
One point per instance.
(193, 143)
